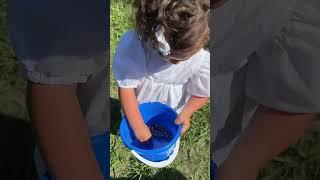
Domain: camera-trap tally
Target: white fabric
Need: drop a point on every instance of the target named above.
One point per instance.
(159, 164)
(138, 66)
(164, 46)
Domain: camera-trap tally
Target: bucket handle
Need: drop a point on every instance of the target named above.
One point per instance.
(161, 163)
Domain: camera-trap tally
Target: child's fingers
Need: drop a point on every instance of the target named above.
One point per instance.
(144, 134)
(185, 127)
(179, 120)
(144, 138)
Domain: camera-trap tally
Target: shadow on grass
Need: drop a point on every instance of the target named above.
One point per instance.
(165, 173)
(17, 148)
(115, 116)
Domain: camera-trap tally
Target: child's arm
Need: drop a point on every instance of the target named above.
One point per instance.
(194, 103)
(130, 107)
(61, 132)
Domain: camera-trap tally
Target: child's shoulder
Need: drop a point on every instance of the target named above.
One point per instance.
(129, 41)
(204, 62)
(130, 36)
(130, 50)
(205, 56)
(200, 61)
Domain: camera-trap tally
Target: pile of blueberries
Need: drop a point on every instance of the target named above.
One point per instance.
(159, 131)
(160, 136)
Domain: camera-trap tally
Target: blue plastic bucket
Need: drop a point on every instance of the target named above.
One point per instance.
(100, 145)
(153, 114)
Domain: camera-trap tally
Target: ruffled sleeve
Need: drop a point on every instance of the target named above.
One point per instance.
(199, 83)
(129, 61)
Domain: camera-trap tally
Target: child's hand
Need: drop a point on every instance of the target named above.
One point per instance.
(185, 121)
(142, 133)
(193, 104)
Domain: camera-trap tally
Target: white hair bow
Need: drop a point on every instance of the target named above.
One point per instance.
(163, 47)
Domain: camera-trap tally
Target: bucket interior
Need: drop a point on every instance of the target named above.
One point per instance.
(162, 133)
(160, 119)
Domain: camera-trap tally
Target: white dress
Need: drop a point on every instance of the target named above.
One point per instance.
(137, 66)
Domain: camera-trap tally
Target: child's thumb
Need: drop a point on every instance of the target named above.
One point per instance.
(178, 121)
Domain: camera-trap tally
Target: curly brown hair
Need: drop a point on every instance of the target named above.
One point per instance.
(186, 23)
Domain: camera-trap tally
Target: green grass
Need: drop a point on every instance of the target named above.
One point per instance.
(12, 86)
(119, 23)
(192, 161)
(300, 162)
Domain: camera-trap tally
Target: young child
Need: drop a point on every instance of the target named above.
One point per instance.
(163, 60)
(60, 46)
(266, 73)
